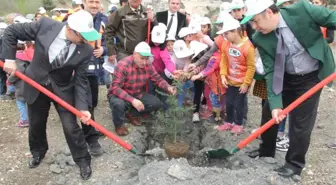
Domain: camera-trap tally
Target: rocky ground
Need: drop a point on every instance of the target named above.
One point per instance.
(118, 166)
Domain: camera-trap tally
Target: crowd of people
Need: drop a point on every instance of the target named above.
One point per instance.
(278, 50)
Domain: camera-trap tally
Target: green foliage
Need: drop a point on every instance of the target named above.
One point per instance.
(48, 4)
(173, 126)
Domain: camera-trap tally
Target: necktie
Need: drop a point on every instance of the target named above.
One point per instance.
(279, 64)
(61, 57)
(170, 23)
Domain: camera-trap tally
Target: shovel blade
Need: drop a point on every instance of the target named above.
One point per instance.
(218, 154)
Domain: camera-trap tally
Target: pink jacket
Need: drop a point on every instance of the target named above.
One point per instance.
(162, 60)
(26, 55)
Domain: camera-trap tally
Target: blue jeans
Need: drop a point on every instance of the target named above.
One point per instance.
(215, 100)
(107, 78)
(181, 95)
(21, 105)
(282, 125)
(11, 89)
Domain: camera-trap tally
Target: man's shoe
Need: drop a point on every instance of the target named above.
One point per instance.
(85, 172)
(35, 161)
(95, 149)
(283, 145)
(255, 153)
(287, 172)
(121, 131)
(134, 121)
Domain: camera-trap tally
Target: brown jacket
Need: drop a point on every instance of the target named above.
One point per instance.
(125, 30)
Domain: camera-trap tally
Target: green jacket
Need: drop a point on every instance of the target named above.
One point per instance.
(305, 21)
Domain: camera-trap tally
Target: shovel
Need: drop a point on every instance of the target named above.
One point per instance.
(222, 153)
(72, 109)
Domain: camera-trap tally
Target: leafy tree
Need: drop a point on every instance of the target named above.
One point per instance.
(48, 4)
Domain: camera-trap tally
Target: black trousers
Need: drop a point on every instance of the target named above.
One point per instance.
(301, 122)
(235, 105)
(3, 79)
(38, 115)
(90, 133)
(199, 87)
(119, 107)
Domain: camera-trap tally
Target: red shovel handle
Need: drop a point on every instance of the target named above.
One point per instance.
(73, 110)
(288, 109)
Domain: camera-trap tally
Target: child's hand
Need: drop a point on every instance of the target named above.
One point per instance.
(177, 74)
(243, 89)
(196, 77)
(224, 82)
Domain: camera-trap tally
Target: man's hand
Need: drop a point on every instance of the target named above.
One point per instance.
(87, 116)
(172, 90)
(150, 14)
(191, 67)
(10, 67)
(98, 52)
(243, 89)
(196, 77)
(112, 58)
(276, 115)
(224, 81)
(138, 105)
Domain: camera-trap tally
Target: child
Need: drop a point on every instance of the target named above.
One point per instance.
(237, 69)
(204, 35)
(23, 58)
(213, 80)
(186, 34)
(170, 45)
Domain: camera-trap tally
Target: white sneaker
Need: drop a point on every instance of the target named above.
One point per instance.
(195, 117)
(283, 145)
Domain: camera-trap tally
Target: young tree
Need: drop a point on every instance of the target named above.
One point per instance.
(48, 4)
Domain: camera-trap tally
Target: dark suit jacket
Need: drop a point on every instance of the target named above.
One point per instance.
(181, 20)
(72, 89)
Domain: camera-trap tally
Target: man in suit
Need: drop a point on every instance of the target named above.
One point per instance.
(172, 18)
(60, 64)
(295, 58)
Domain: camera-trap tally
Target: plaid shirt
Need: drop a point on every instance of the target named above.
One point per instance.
(129, 80)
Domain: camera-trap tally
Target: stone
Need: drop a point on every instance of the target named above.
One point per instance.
(119, 164)
(270, 160)
(66, 151)
(61, 180)
(62, 164)
(320, 126)
(296, 178)
(309, 172)
(67, 169)
(271, 180)
(55, 168)
(50, 160)
(70, 161)
(179, 172)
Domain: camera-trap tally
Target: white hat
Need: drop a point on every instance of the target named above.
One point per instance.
(195, 26)
(230, 24)
(225, 7)
(184, 32)
(237, 4)
(205, 21)
(21, 42)
(181, 50)
(171, 37)
(197, 47)
(280, 2)
(143, 49)
(255, 7)
(3, 25)
(77, 2)
(82, 22)
(159, 33)
(41, 10)
(20, 19)
(222, 16)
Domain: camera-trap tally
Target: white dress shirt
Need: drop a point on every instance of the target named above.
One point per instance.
(58, 44)
(173, 28)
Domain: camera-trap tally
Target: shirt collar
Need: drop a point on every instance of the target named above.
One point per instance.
(133, 9)
(61, 35)
(170, 13)
(282, 23)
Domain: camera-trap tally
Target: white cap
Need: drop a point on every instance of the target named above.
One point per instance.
(3, 25)
(195, 26)
(77, 2)
(21, 42)
(159, 33)
(280, 2)
(237, 4)
(20, 19)
(143, 49)
(225, 7)
(205, 21)
(255, 7)
(82, 22)
(197, 47)
(41, 10)
(171, 37)
(230, 24)
(181, 50)
(184, 32)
